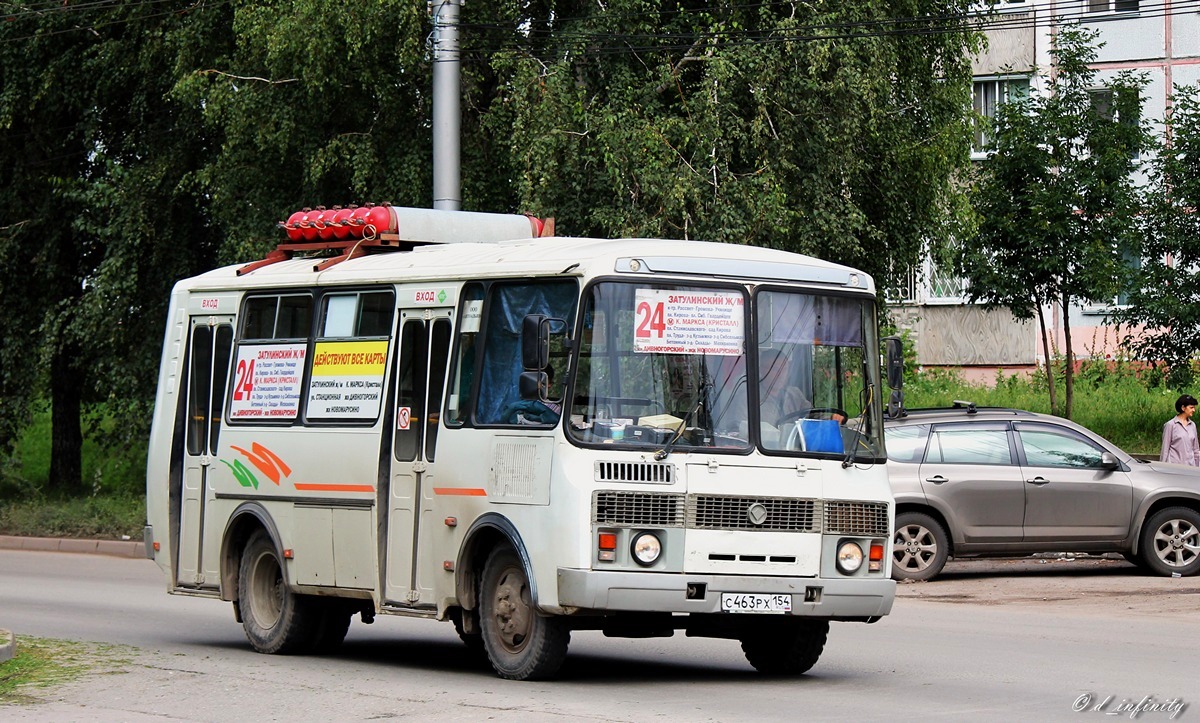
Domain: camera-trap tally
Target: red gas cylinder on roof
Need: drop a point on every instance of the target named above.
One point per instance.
(308, 225)
(341, 223)
(380, 219)
(358, 219)
(325, 224)
(292, 226)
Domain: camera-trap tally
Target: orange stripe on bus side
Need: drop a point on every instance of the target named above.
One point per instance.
(314, 487)
(462, 491)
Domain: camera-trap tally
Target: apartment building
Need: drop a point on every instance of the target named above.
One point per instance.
(1160, 38)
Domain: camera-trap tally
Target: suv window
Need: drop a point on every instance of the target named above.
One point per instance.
(969, 445)
(907, 444)
(1050, 447)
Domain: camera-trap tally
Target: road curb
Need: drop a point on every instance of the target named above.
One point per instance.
(8, 645)
(116, 548)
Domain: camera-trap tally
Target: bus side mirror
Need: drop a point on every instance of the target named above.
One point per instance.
(894, 367)
(535, 343)
(894, 363)
(536, 330)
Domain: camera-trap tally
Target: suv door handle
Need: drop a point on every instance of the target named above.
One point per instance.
(1039, 481)
(937, 479)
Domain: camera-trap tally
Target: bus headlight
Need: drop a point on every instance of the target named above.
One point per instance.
(849, 557)
(646, 548)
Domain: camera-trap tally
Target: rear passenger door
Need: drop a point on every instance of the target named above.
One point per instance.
(970, 473)
(1069, 496)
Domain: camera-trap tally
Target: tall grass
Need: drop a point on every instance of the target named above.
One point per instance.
(1117, 402)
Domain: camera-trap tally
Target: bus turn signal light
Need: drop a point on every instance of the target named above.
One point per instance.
(607, 544)
(875, 557)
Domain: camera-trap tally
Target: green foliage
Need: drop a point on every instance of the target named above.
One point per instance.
(98, 210)
(1114, 400)
(759, 124)
(1056, 201)
(1165, 295)
(114, 464)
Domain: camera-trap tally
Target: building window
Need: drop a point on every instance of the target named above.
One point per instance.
(1112, 6)
(989, 94)
(1105, 103)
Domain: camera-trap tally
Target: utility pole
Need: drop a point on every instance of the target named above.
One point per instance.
(447, 115)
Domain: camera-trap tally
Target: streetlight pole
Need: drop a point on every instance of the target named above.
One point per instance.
(447, 115)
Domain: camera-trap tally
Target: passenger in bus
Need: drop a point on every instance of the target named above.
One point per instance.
(535, 411)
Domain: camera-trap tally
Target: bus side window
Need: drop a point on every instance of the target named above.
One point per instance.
(439, 352)
(462, 373)
(508, 305)
(410, 389)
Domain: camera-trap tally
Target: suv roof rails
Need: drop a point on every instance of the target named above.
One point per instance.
(967, 408)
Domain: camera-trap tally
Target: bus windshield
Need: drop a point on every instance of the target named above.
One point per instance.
(667, 366)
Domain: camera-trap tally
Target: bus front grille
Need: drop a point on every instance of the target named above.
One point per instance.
(637, 509)
(856, 518)
(662, 473)
(768, 514)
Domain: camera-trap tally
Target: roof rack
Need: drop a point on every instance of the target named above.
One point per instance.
(968, 408)
(357, 231)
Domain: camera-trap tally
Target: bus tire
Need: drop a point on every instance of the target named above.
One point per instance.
(520, 643)
(275, 619)
(789, 646)
(332, 621)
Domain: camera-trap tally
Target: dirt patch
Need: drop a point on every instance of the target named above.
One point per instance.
(1088, 584)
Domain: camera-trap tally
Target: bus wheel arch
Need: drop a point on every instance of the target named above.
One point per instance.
(246, 520)
(487, 533)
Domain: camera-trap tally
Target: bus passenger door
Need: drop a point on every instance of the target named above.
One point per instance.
(420, 376)
(208, 372)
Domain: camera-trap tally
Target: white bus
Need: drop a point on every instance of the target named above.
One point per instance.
(458, 419)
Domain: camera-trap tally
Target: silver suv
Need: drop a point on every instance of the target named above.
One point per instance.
(988, 481)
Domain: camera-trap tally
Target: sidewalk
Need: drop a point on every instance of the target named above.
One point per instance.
(116, 548)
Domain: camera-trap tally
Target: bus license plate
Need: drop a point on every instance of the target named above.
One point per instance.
(744, 602)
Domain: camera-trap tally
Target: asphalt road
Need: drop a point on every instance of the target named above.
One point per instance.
(952, 650)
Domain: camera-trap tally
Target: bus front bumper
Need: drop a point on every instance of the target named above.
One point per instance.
(838, 598)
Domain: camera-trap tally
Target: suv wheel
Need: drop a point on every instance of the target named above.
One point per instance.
(1171, 542)
(919, 547)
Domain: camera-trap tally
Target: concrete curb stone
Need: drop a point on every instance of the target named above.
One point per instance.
(8, 645)
(117, 548)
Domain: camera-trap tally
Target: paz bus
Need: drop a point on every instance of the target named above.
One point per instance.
(459, 416)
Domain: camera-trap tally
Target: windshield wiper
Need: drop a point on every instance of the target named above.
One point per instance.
(859, 437)
(701, 395)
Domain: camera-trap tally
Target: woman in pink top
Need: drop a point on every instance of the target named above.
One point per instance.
(1179, 443)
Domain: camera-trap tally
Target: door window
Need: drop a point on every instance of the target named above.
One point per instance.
(969, 445)
(1047, 447)
(907, 444)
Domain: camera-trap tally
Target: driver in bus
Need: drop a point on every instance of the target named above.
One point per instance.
(780, 400)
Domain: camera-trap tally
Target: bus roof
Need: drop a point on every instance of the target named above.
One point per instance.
(570, 256)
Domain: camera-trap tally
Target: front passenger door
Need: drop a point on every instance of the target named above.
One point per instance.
(1069, 496)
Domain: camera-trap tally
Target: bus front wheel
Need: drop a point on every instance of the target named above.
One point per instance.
(785, 647)
(275, 619)
(520, 643)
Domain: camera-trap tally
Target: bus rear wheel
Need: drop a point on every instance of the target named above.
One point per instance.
(520, 643)
(275, 619)
(785, 647)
